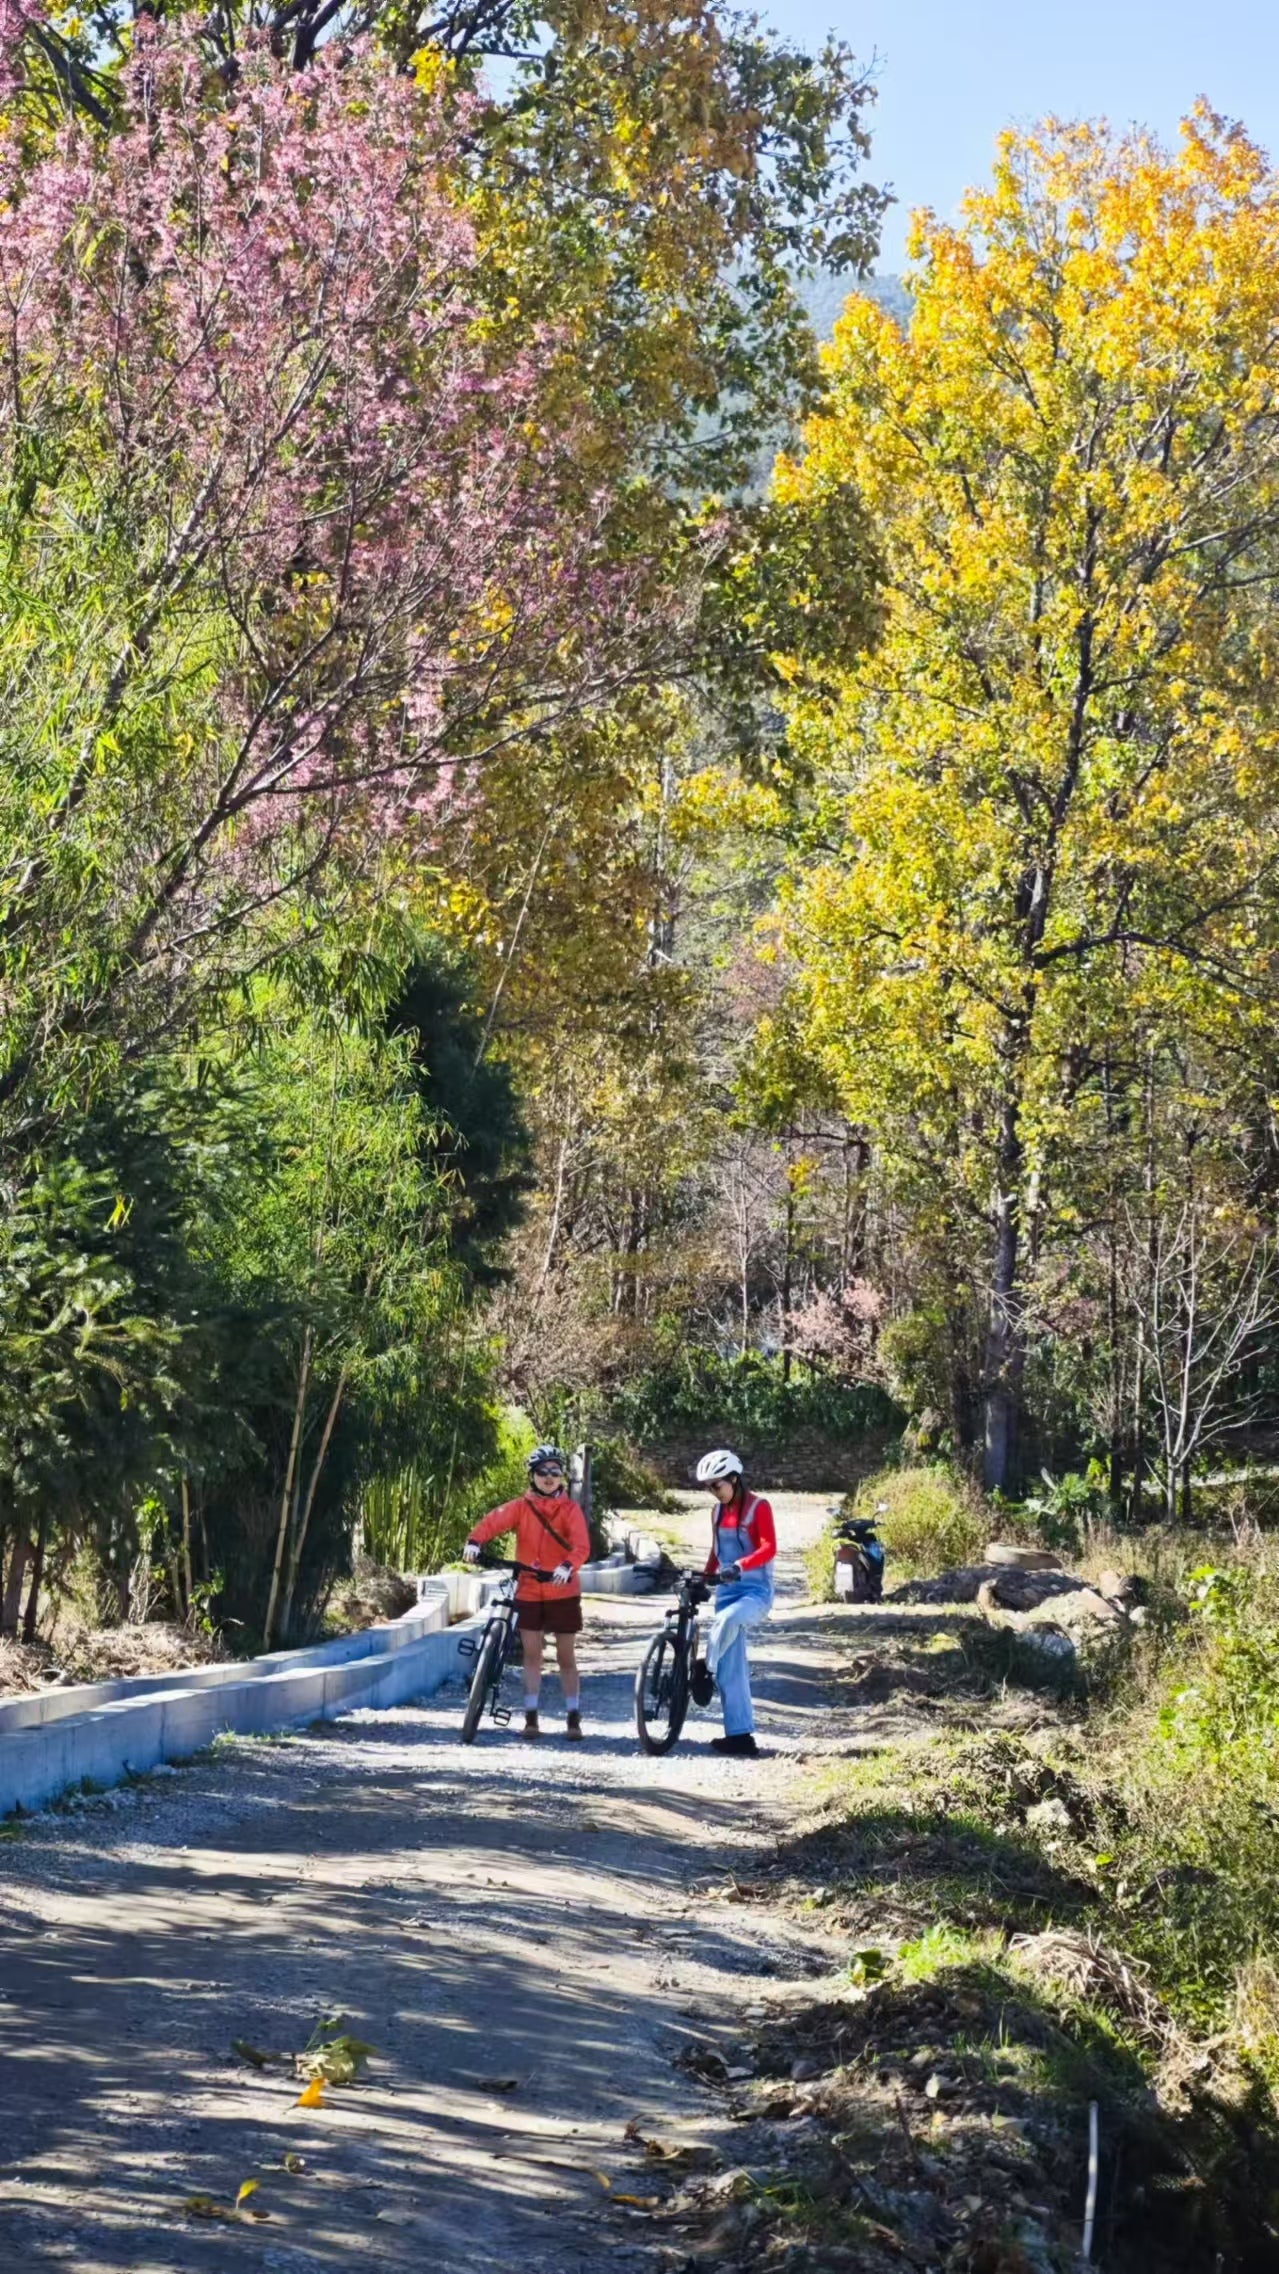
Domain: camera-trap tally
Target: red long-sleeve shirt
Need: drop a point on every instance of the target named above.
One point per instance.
(761, 1524)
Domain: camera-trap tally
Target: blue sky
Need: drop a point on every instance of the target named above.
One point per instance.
(953, 72)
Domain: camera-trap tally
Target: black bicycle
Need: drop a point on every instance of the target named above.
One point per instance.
(498, 1644)
(672, 1672)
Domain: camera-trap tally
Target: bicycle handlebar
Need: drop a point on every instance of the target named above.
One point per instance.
(510, 1563)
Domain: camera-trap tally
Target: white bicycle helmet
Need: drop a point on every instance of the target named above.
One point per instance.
(720, 1463)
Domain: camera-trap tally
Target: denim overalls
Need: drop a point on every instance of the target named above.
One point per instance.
(739, 1606)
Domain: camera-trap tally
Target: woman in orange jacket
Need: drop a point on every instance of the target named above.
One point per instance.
(550, 1531)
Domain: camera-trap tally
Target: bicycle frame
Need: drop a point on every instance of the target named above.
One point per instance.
(683, 1618)
(503, 1615)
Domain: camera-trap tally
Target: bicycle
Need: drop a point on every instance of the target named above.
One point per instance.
(498, 1644)
(672, 1672)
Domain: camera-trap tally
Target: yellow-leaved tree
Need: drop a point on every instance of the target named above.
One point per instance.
(1046, 821)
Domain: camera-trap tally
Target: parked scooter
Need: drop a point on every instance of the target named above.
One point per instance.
(859, 1559)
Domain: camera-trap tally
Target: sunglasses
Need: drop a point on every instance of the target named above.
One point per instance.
(549, 1471)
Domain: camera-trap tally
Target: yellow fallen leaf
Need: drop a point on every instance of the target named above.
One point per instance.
(603, 2178)
(313, 2097)
(638, 2202)
(250, 2187)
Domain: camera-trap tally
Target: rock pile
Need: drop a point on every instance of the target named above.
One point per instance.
(1027, 1589)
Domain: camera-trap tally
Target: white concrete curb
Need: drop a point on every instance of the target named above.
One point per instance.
(105, 1731)
(616, 1578)
(470, 1591)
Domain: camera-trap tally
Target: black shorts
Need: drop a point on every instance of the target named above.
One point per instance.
(562, 1617)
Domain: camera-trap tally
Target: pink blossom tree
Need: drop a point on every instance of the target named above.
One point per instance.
(836, 1331)
(290, 541)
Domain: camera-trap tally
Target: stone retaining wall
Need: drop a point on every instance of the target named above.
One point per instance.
(808, 1461)
(60, 1738)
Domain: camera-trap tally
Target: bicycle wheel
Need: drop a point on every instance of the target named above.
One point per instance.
(487, 1675)
(661, 1694)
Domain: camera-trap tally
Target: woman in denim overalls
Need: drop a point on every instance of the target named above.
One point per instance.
(743, 1551)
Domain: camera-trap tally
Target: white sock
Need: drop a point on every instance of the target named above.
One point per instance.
(572, 1704)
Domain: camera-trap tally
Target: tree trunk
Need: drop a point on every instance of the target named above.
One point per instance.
(788, 1260)
(12, 1604)
(304, 1514)
(1115, 1480)
(286, 1497)
(556, 1212)
(1136, 1499)
(1004, 1353)
(186, 1548)
(37, 1576)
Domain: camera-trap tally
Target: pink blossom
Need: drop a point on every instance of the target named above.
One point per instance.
(356, 541)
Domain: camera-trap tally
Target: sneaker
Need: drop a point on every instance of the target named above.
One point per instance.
(532, 1726)
(573, 1726)
(743, 1747)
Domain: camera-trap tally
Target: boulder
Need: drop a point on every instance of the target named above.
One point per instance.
(1123, 1587)
(1080, 1607)
(959, 1586)
(1015, 1589)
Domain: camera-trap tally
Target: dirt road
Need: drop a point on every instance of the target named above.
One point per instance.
(519, 1932)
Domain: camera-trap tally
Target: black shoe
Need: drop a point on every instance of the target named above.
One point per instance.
(743, 1747)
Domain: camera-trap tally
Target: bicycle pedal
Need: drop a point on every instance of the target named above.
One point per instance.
(501, 1715)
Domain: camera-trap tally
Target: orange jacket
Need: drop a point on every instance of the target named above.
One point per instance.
(535, 1541)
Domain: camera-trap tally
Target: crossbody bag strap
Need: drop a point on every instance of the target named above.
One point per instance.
(547, 1525)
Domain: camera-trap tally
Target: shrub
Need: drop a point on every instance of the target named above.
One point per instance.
(746, 1397)
(930, 1519)
(622, 1478)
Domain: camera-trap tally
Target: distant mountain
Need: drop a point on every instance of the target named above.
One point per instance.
(824, 296)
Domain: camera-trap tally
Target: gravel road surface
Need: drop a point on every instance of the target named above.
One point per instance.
(525, 1934)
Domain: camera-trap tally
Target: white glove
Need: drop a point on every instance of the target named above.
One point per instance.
(471, 1552)
(561, 1575)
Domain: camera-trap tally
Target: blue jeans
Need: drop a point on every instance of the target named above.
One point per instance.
(738, 1607)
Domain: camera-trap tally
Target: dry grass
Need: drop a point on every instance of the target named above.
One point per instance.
(105, 1654)
(24, 1667)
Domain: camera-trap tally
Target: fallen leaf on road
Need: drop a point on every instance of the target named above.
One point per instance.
(640, 2202)
(204, 2207)
(491, 2084)
(602, 2177)
(313, 2097)
(255, 2056)
(249, 2187)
